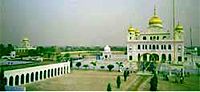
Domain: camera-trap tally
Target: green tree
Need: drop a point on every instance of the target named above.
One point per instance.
(2, 79)
(198, 66)
(154, 83)
(109, 87)
(67, 56)
(78, 64)
(94, 63)
(118, 81)
(120, 64)
(110, 67)
(2, 50)
(86, 66)
(125, 75)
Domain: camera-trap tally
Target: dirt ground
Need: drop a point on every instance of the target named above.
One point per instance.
(78, 80)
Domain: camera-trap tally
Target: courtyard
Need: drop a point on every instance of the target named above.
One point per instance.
(95, 80)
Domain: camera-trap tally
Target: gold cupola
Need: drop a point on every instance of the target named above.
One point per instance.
(131, 29)
(155, 20)
(179, 28)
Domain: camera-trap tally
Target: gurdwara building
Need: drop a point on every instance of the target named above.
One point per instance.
(155, 43)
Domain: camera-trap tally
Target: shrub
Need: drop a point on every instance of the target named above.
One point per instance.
(102, 67)
(85, 66)
(110, 67)
(78, 64)
(153, 83)
(118, 81)
(109, 87)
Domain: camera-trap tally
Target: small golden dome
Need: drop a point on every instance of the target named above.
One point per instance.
(179, 28)
(131, 29)
(25, 39)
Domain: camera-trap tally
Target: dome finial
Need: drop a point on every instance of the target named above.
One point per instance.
(155, 10)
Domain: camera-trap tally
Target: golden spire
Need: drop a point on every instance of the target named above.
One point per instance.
(155, 10)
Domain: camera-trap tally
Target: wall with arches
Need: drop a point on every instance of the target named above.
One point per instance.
(33, 74)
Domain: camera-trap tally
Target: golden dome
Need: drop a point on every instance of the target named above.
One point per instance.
(131, 29)
(179, 28)
(155, 20)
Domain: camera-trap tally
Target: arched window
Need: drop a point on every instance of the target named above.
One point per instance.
(154, 47)
(161, 47)
(138, 47)
(165, 47)
(157, 37)
(150, 38)
(146, 47)
(154, 37)
(149, 46)
(169, 47)
(144, 37)
(157, 47)
(164, 37)
(142, 46)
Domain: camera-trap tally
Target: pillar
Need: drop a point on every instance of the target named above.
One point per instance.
(68, 70)
(8, 80)
(19, 80)
(13, 80)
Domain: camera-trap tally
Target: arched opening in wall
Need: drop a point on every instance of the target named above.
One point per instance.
(169, 47)
(61, 70)
(144, 38)
(27, 78)
(64, 69)
(163, 58)
(11, 81)
(55, 71)
(130, 58)
(106, 56)
(169, 57)
(145, 57)
(154, 57)
(48, 73)
(45, 74)
(138, 57)
(51, 72)
(157, 37)
(36, 76)
(164, 37)
(154, 47)
(17, 80)
(154, 38)
(58, 71)
(32, 77)
(40, 74)
(22, 79)
(157, 47)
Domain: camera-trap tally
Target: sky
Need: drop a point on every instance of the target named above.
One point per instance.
(90, 22)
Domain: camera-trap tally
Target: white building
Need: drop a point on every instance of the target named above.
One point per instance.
(107, 52)
(155, 43)
(25, 46)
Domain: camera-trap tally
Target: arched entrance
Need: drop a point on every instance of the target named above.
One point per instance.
(11, 81)
(22, 79)
(154, 57)
(27, 78)
(17, 80)
(36, 76)
(32, 77)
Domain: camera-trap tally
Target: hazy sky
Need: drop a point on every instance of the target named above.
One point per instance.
(89, 22)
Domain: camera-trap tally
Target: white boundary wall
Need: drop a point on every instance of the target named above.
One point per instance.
(37, 73)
